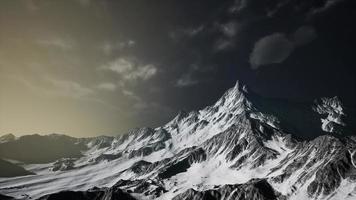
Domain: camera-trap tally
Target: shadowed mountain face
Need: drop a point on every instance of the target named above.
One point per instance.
(7, 169)
(41, 149)
(296, 118)
(242, 147)
(96, 193)
(4, 197)
(300, 118)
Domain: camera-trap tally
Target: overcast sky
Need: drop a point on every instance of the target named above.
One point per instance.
(87, 68)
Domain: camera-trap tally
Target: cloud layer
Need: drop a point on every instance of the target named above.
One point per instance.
(130, 69)
(271, 49)
(277, 47)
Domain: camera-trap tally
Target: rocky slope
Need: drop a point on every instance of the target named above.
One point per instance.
(242, 147)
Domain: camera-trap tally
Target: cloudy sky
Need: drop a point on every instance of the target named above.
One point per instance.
(85, 67)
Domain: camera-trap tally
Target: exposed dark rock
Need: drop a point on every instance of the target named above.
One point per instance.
(180, 166)
(148, 187)
(140, 166)
(4, 197)
(63, 164)
(253, 190)
(92, 194)
(108, 157)
(329, 177)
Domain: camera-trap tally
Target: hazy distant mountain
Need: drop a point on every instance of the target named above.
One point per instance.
(41, 149)
(8, 169)
(242, 147)
(7, 138)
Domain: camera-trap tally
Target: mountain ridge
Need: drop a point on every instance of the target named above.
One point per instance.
(238, 146)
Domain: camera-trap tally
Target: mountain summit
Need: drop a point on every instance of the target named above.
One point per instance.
(242, 147)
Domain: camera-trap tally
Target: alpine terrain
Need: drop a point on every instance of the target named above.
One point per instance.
(243, 147)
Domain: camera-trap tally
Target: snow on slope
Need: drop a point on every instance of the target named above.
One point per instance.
(229, 146)
(333, 110)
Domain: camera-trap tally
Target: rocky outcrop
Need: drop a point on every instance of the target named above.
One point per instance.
(92, 194)
(253, 190)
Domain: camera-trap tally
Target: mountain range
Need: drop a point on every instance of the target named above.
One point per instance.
(243, 147)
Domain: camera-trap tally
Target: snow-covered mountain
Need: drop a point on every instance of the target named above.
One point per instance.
(242, 147)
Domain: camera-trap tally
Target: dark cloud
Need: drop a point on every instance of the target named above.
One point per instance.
(229, 29)
(324, 7)
(130, 69)
(271, 49)
(228, 35)
(223, 44)
(109, 48)
(275, 48)
(238, 6)
(187, 79)
(304, 35)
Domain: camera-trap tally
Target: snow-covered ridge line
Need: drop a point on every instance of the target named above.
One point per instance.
(223, 151)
